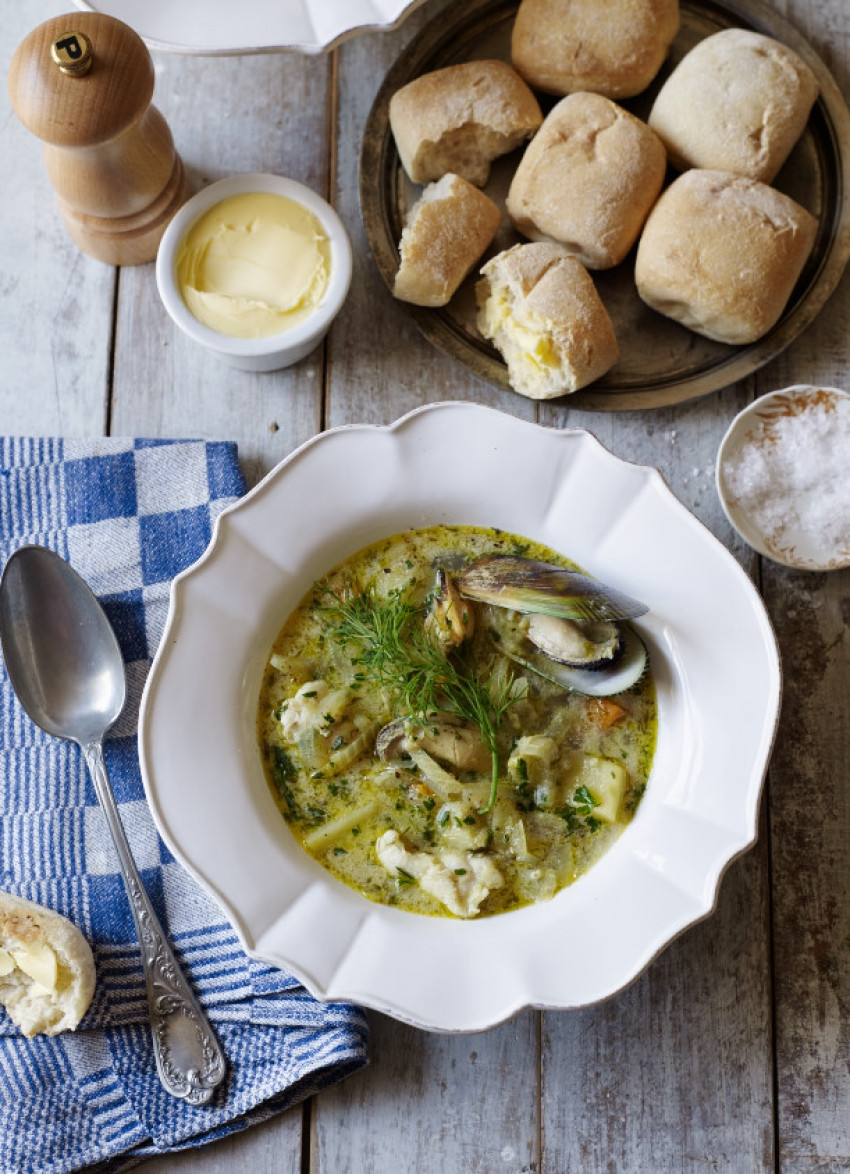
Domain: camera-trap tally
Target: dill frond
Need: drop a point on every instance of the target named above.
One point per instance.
(392, 648)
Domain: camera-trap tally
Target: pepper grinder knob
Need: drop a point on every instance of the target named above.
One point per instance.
(83, 84)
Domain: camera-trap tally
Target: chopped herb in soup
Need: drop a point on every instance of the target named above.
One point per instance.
(455, 721)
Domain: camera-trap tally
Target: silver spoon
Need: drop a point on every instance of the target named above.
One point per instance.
(66, 667)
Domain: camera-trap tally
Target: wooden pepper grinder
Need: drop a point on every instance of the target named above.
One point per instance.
(83, 84)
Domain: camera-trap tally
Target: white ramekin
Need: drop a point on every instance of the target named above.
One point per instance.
(276, 350)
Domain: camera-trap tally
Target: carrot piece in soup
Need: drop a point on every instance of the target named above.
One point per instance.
(603, 712)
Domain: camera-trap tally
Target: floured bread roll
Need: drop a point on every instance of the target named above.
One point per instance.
(721, 253)
(588, 179)
(738, 101)
(460, 118)
(539, 307)
(612, 47)
(46, 968)
(447, 231)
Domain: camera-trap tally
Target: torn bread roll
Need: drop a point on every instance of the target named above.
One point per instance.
(459, 119)
(615, 47)
(588, 179)
(47, 970)
(738, 101)
(447, 231)
(540, 309)
(721, 254)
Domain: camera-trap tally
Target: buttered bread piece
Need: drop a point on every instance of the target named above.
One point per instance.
(539, 307)
(721, 254)
(47, 972)
(459, 119)
(588, 179)
(738, 101)
(613, 47)
(447, 231)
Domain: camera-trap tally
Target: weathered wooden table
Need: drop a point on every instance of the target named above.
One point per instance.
(732, 1052)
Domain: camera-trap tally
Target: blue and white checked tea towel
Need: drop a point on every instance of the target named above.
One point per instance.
(128, 515)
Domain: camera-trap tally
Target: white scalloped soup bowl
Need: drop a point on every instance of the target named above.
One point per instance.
(461, 463)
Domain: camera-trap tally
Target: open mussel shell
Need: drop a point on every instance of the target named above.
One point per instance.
(528, 585)
(595, 682)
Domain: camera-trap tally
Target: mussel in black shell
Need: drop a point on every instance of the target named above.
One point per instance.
(574, 628)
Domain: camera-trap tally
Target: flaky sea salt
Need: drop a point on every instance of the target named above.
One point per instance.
(794, 473)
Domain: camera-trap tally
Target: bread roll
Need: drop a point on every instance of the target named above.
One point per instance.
(588, 179)
(738, 101)
(721, 253)
(613, 47)
(46, 968)
(539, 307)
(447, 231)
(460, 118)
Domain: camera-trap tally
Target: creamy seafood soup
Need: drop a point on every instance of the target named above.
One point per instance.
(455, 721)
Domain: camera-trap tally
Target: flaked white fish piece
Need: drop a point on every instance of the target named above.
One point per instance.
(459, 880)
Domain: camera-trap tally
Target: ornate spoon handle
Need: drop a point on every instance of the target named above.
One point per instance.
(189, 1058)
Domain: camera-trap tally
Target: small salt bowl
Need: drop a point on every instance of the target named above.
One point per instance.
(280, 347)
(782, 477)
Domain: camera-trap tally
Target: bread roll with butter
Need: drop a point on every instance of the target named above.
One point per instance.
(447, 231)
(721, 254)
(613, 47)
(738, 101)
(459, 119)
(539, 307)
(47, 973)
(588, 179)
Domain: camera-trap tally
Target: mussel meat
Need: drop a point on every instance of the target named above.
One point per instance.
(443, 736)
(449, 621)
(587, 645)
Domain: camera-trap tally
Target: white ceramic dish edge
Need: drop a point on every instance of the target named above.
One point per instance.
(252, 26)
(704, 791)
